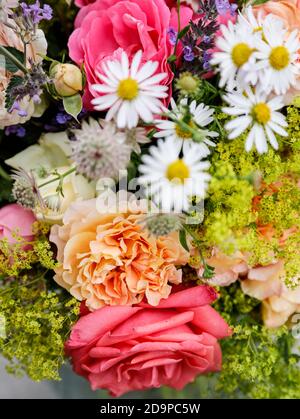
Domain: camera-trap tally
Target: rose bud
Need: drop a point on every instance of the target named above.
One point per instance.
(67, 79)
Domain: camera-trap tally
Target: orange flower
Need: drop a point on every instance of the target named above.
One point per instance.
(108, 259)
(228, 269)
(266, 283)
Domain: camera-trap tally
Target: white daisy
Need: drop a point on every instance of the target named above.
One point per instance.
(130, 91)
(255, 112)
(277, 55)
(200, 116)
(256, 22)
(173, 173)
(235, 50)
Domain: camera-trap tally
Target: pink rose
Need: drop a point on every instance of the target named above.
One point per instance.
(123, 348)
(82, 3)
(16, 219)
(106, 27)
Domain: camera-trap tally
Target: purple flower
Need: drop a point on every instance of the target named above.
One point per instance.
(206, 66)
(18, 130)
(36, 99)
(188, 53)
(16, 107)
(47, 12)
(206, 60)
(35, 13)
(62, 118)
(206, 39)
(172, 36)
(223, 6)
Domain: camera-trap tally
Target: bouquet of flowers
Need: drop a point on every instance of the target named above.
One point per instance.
(150, 194)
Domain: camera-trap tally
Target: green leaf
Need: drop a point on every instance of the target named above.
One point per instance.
(9, 99)
(73, 105)
(209, 271)
(172, 58)
(182, 239)
(183, 32)
(8, 64)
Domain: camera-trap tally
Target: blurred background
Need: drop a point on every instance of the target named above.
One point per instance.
(73, 386)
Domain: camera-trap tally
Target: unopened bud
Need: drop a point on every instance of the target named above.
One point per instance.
(67, 79)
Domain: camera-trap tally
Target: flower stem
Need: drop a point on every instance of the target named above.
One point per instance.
(13, 59)
(179, 27)
(58, 177)
(3, 174)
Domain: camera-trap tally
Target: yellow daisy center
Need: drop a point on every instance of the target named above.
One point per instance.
(240, 54)
(261, 113)
(279, 57)
(128, 89)
(178, 171)
(183, 132)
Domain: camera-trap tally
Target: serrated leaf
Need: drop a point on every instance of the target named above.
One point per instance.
(73, 105)
(9, 99)
(209, 272)
(7, 63)
(182, 239)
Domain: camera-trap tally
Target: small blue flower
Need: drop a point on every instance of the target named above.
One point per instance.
(172, 36)
(188, 54)
(206, 39)
(223, 6)
(18, 130)
(62, 118)
(16, 107)
(35, 12)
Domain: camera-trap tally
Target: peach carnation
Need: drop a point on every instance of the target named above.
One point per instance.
(108, 259)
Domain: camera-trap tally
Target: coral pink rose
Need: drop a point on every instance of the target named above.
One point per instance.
(289, 12)
(82, 3)
(17, 220)
(135, 348)
(106, 27)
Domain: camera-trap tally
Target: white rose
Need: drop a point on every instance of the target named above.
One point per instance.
(52, 154)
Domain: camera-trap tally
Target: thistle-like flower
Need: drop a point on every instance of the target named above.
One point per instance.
(163, 224)
(26, 191)
(135, 137)
(100, 150)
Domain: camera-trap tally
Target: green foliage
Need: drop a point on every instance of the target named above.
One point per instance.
(36, 322)
(73, 105)
(23, 255)
(9, 64)
(14, 82)
(249, 191)
(257, 362)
